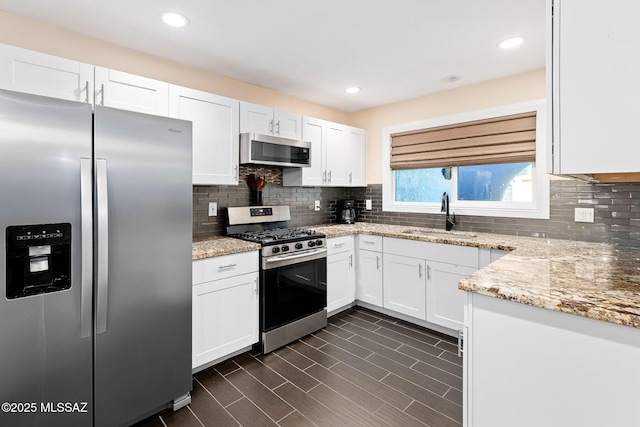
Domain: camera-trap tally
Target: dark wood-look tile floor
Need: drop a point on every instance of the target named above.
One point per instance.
(364, 369)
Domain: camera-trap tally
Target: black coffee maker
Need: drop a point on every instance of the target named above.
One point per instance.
(346, 212)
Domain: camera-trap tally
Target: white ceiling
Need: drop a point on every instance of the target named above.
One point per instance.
(313, 49)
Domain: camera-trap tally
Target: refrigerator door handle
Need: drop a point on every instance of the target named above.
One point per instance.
(103, 246)
(86, 266)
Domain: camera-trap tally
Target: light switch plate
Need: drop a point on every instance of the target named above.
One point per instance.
(584, 215)
(367, 204)
(213, 208)
(317, 205)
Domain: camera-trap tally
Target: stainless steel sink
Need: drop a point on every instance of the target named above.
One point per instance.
(443, 235)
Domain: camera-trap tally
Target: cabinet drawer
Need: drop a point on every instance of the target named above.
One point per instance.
(336, 245)
(206, 270)
(369, 243)
(439, 252)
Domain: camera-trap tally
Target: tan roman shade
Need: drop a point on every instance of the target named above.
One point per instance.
(506, 139)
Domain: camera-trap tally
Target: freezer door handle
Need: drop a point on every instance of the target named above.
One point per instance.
(86, 244)
(103, 246)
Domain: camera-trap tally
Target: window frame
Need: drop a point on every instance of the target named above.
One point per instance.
(537, 209)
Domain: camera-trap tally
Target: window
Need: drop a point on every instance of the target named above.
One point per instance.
(479, 185)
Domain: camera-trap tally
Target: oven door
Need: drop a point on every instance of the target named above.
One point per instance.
(292, 287)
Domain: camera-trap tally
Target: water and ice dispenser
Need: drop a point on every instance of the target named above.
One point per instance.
(38, 259)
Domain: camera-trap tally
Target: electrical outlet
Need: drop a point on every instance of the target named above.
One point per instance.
(213, 208)
(317, 205)
(584, 215)
(367, 204)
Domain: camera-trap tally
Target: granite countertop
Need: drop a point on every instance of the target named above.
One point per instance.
(218, 246)
(596, 280)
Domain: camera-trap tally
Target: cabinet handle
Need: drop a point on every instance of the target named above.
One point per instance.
(271, 127)
(350, 260)
(377, 263)
(278, 127)
(324, 177)
(102, 93)
(255, 286)
(338, 245)
(368, 242)
(235, 172)
(329, 177)
(460, 342)
(226, 267)
(86, 88)
(350, 177)
(428, 273)
(420, 271)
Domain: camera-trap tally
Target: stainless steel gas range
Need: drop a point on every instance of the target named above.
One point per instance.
(293, 273)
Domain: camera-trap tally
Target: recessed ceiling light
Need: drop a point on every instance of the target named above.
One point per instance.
(174, 19)
(353, 89)
(451, 79)
(511, 42)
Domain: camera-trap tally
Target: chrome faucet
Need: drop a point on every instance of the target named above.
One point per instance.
(445, 208)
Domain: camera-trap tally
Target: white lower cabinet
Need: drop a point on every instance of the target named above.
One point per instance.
(225, 306)
(445, 302)
(421, 279)
(369, 269)
(404, 285)
(341, 273)
(529, 367)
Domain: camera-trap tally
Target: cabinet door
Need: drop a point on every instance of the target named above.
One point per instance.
(130, 92)
(287, 125)
(404, 285)
(314, 131)
(369, 277)
(341, 280)
(256, 118)
(32, 72)
(215, 133)
(445, 302)
(596, 86)
(225, 317)
(356, 157)
(335, 155)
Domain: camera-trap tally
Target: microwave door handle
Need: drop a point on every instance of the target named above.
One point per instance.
(103, 246)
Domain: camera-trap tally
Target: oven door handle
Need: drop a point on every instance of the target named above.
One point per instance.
(282, 260)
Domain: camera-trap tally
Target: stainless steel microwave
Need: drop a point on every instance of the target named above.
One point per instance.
(260, 149)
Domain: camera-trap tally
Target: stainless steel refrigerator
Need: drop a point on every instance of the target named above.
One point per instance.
(95, 263)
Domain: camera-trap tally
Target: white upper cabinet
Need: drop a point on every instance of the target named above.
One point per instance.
(595, 86)
(36, 73)
(338, 156)
(41, 74)
(130, 92)
(269, 121)
(215, 133)
(335, 155)
(356, 157)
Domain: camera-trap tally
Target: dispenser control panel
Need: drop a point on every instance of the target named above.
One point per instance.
(38, 259)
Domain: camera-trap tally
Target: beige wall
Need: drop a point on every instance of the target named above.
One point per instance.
(40, 37)
(508, 90)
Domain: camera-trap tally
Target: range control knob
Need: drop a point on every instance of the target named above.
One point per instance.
(298, 245)
(285, 248)
(318, 242)
(311, 243)
(275, 250)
